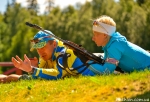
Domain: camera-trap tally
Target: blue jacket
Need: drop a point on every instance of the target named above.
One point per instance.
(130, 56)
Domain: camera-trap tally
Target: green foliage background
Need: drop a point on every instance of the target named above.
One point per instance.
(71, 23)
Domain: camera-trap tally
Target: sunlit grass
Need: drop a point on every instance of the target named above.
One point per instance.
(104, 88)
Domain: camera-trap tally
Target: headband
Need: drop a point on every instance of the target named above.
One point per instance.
(104, 28)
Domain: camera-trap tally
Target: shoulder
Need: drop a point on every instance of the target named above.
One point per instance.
(116, 49)
(117, 44)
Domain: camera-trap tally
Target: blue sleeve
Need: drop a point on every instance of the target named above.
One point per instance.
(107, 68)
(44, 73)
(114, 51)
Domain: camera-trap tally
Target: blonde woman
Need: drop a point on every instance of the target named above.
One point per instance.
(118, 51)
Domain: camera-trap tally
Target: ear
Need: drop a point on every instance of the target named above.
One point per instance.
(105, 35)
(54, 44)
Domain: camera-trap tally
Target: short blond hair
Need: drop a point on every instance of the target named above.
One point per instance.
(107, 20)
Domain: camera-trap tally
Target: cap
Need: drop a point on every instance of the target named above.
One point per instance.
(41, 38)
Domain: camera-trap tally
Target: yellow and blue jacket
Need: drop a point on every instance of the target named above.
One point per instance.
(51, 71)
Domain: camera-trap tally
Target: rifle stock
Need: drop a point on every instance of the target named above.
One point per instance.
(89, 55)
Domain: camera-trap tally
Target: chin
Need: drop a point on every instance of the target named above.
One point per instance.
(98, 45)
(45, 59)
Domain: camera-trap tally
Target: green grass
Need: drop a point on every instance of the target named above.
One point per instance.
(106, 88)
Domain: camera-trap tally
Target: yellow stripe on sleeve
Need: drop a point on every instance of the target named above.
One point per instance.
(37, 72)
(51, 72)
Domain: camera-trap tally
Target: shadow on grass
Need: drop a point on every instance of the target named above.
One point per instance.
(139, 98)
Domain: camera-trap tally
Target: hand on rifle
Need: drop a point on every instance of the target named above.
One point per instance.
(81, 56)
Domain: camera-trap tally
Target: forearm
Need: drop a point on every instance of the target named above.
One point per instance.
(102, 69)
(49, 74)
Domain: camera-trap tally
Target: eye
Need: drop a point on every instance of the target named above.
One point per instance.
(34, 41)
(95, 23)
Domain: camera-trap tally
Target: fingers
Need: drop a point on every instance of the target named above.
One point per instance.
(20, 60)
(35, 58)
(26, 58)
(17, 62)
(31, 59)
(14, 60)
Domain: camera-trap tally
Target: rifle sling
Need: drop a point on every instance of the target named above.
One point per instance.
(65, 66)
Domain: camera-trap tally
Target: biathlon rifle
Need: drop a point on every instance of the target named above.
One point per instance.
(71, 45)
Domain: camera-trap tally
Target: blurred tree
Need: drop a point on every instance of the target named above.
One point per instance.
(131, 23)
(83, 27)
(16, 33)
(50, 4)
(13, 2)
(100, 7)
(146, 35)
(53, 21)
(3, 28)
(33, 7)
(140, 2)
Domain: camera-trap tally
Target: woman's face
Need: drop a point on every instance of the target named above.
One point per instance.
(46, 52)
(100, 39)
